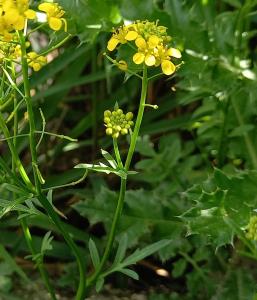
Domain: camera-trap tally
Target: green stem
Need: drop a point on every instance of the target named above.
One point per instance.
(94, 102)
(249, 145)
(58, 45)
(23, 221)
(32, 141)
(139, 119)
(222, 141)
(111, 236)
(123, 183)
(40, 265)
(117, 153)
(194, 264)
(15, 156)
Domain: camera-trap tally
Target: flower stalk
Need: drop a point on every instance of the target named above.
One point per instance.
(42, 198)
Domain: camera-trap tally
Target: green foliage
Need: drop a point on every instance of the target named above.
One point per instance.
(221, 202)
(208, 119)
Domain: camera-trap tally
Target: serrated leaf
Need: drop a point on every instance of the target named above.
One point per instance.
(130, 273)
(99, 284)
(94, 253)
(234, 199)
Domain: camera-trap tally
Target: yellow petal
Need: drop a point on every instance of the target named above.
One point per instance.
(140, 43)
(55, 23)
(131, 35)
(168, 67)
(30, 14)
(112, 44)
(174, 52)
(46, 7)
(150, 60)
(138, 58)
(36, 67)
(19, 23)
(153, 41)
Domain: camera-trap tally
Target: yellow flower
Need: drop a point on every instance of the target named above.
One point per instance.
(151, 42)
(54, 13)
(36, 61)
(13, 14)
(153, 53)
(122, 36)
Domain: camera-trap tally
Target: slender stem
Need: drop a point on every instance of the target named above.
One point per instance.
(23, 221)
(249, 145)
(40, 265)
(194, 264)
(60, 136)
(139, 119)
(94, 102)
(117, 153)
(111, 236)
(123, 183)
(56, 46)
(46, 204)
(18, 163)
(222, 142)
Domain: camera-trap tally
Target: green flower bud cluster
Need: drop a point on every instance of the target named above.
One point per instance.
(117, 122)
(251, 228)
(148, 29)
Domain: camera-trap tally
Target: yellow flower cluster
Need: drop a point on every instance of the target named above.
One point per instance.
(13, 14)
(251, 228)
(54, 13)
(36, 61)
(151, 43)
(117, 122)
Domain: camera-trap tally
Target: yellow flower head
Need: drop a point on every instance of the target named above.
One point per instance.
(151, 43)
(116, 122)
(13, 14)
(54, 13)
(251, 229)
(36, 61)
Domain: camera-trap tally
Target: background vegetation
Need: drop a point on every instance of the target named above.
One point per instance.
(196, 156)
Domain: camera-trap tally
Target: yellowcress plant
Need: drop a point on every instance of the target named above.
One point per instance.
(151, 48)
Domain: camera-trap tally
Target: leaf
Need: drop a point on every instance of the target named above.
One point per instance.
(121, 251)
(109, 158)
(234, 199)
(179, 267)
(99, 284)
(103, 169)
(130, 273)
(12, 264)
(46, 243)
(94, 253)
(148, 250)
(241, 130)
